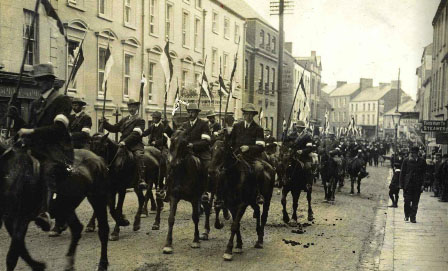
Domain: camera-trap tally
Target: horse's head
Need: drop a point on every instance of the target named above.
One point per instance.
(179, 146)
(100, 144)
(218, 155)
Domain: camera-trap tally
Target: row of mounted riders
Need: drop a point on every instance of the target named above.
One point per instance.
(107, 169)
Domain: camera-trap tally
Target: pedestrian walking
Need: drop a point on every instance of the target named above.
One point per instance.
(411, 181)
(394, 188)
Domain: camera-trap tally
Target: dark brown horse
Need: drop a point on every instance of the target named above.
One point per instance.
(21, 194)
(297, 177)
(356, 168)
(186, 181)
(239, 190)
(122, 175)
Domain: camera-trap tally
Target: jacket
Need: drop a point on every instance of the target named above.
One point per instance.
(49, 119)
(199, 136)
(79, 128)
(412, 173)
(253, 136)
(155, 134)
(131, 129)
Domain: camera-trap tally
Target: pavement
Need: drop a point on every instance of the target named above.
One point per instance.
(420, 246)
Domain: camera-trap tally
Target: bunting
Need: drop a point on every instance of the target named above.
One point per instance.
(167, 65)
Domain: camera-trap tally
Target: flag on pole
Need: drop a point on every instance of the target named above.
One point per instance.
(167, 65)
(52, 13)
(79, 59)
(109, 63)
(232, 75)
(142, 87)
(261, 115)
(222, 87)
(351, 125)
(176, 104)
(204, 86)
(327, 124)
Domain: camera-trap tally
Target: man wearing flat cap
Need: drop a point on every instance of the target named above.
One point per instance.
(80, 124)
(131, 128)
(213, 125)
(46, 131)
(411, 181)
(156, 131)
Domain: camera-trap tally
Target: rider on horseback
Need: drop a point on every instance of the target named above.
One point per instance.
(213, 125)
(80, 124)
(48, 136)
(131, 128)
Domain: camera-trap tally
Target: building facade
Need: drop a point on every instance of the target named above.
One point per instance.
(339, 99)
(424, 84)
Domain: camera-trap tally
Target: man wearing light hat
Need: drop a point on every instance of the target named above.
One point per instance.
(156, 131)
(213, 125)
(131, 128)
(46, 131)
(80, 124)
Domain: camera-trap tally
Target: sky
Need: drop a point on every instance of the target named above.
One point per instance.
(360, 38)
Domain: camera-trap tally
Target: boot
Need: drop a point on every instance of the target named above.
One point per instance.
(43, 220)
(141, 172)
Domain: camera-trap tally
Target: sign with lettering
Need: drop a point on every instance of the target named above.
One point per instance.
(24, 93)
(434, 126)
(442, 138)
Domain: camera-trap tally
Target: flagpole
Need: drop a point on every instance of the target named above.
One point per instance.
(13, 98)
(231, 82)
(141, 94)
(75, 63)
(180, 104)
(219, 92)
(292, 106)
(105, 90)
(202, 81)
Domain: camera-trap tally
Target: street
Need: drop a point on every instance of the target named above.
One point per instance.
(344, 236)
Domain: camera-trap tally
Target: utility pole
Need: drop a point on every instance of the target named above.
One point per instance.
(279, 8)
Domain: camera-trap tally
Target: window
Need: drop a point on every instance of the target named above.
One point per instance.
(368, 106)
(363, 107)
(215, 22)
(214, 61)
(30, 31)
(153, 11)
(102, 7)
(261, 38)
(373, 119)
(197, 28)
(246, 74)
(72, 47)
(185, 27)
(363, 118)
(273, 45)
(273, 80)
(101, 66)
(352, 107)
(198, 3)
(184, 78)
(356, 107)
(260, 86)
(226, 27)
(266, 85)
(151, 80)
(344, 116)
(127, 11)
(268, 42)
(237, 33)
(127, 74)
(368, 119)
(373, 107)
(197, 77)
(169, 21)
(225, 63)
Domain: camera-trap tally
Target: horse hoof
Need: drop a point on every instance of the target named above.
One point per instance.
(136, 227)
(226, 216)
(310, 218)
(70, 265)
(219, 226)
(204, 236)
(195, 245)
(167, 250)
(101, 268)
(114, 237)
(258, 245)
(292, 223)
(54, 234)
(238, 250)
(123, 223)
(144, 213)
(90, 228)
(38, 266)
(227, 257)
(155, 227)
(286, 219)
(153, 211)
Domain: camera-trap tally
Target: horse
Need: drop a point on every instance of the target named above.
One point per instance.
(239, 190)
(122, 174)
(186, 181)
(298, 177)
(21, 195)
(357, 171)
(153, 180)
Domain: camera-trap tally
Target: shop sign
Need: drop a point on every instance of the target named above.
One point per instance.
(434, 126)
(24, 93)
(442, 138)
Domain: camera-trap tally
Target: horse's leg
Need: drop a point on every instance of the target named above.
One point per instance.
(159, 205)
(100, 207)
(17, 230)
(195, 216)
(257, 215)
(76, 229)
(145, 202)
(207, 209)
(121, 221)
(264, 220)
(310, 210)
(359, 185)
(333, 191)
(225, 213)
(151, 198)
(283, 201)
(239, 243)
(218, 224)
(91, 225)
(168, 249)
(234, 229)
(352, 182)
(295, 205)
(324, 182)
(141, 199)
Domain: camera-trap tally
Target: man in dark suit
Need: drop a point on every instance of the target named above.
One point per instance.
(131, 128)
(411, 181)
(212, 124)
(156, 131)
(199, 140)
(80, 124)
(248, 137)
(47, 134)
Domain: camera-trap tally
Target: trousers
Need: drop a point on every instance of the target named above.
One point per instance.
(411, 199)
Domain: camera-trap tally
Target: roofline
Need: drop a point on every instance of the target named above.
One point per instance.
(439, 10)
(224, 6)
(261, 21)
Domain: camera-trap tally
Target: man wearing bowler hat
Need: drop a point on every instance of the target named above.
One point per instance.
(212, 124)
(156, 131)
(80, 124)
(46, 132)
(411, 181)
(131, 128)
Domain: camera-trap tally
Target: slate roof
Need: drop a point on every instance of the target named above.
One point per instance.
(345, 90)
(372, 94)
(408, 106)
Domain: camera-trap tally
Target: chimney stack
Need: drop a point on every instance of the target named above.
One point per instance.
(382, 85)
(340, 83)
(288, 47)
(365, 83)
(394, 84)
(313, 53)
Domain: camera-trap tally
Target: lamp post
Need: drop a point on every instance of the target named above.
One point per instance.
(396, 119)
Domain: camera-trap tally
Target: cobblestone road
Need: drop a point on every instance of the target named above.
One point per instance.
(345, 235)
